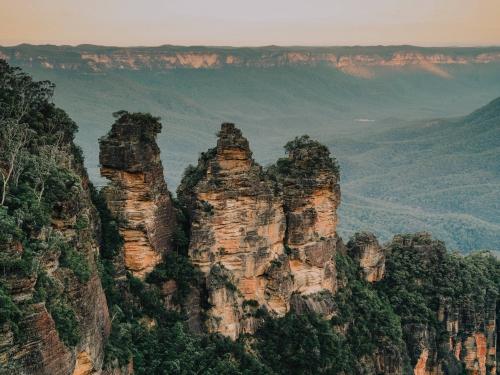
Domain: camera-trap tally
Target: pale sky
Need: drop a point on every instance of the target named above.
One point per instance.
(250, 22)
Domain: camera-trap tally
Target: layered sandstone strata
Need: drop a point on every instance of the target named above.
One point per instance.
(137, 194)
(365, 248)
(260, 239)
(358, 61)
(41, 350)
(311, 194)
(237, 230)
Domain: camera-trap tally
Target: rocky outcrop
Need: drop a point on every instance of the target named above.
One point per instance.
(261, 240)
(237, 230)
(137, 194)
(311, 194)
(40, 348)
(366, 250)
(464, 337)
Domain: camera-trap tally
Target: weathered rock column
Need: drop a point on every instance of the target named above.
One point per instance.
(311, 193)
(137, 194)
(237, 231)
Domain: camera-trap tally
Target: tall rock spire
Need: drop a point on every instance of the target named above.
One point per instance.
(137, 194)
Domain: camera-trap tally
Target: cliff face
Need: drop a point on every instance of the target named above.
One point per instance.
(357, 61)
(308, 178)
(137, 194)
(237, 231)
(240, 218)
(40, 347)
(461, 334)
(366, 250)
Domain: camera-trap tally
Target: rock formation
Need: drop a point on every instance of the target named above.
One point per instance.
(311, 194)
(41, 350)
(365, 248)
(240, 217)
(237, 230)
(137, 194)
(468, 321)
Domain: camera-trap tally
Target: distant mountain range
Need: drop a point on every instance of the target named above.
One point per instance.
(357, 61)
(439, 175)
(400, 172)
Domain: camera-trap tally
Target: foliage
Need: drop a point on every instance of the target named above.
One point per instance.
(75, 261)
(111, 240)
(40, 178)
(179, 268)
(144, 120)
(65, 321)
(304, 344)
(306, 158)
(422, 277)
(370, 320)
(9, 312)
(192, 175)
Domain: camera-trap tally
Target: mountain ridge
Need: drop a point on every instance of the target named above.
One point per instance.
(350, 59)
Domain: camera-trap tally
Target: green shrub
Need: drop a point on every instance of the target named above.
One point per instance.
(75, 261)
(9, 312)
(179, 268)
(304, 344)
(65, 321)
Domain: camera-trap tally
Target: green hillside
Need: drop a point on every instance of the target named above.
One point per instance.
(442, 176)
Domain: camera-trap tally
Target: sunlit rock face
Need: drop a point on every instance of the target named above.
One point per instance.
(260, 242)
(137, 194)
(363, 62)
(311, 194)
(365, 248)
(237, 230)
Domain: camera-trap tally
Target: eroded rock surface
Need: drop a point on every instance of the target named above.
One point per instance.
(137, 194)
(237, 229)
(244, 222)
(41, 349)
(364, 247)
(311, 194)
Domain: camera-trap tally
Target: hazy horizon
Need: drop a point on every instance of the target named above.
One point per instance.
(256, 46)
(459, 23)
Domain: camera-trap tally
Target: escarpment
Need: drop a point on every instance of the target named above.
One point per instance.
(53, 310)
(53, 278)
(137, 194)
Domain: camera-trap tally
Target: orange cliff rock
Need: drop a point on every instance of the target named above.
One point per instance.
(365, 248)
(309, 179)
(137, 194)
(238, 235)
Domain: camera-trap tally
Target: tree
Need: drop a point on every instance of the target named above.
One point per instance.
(14, 137)
(50, 157)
